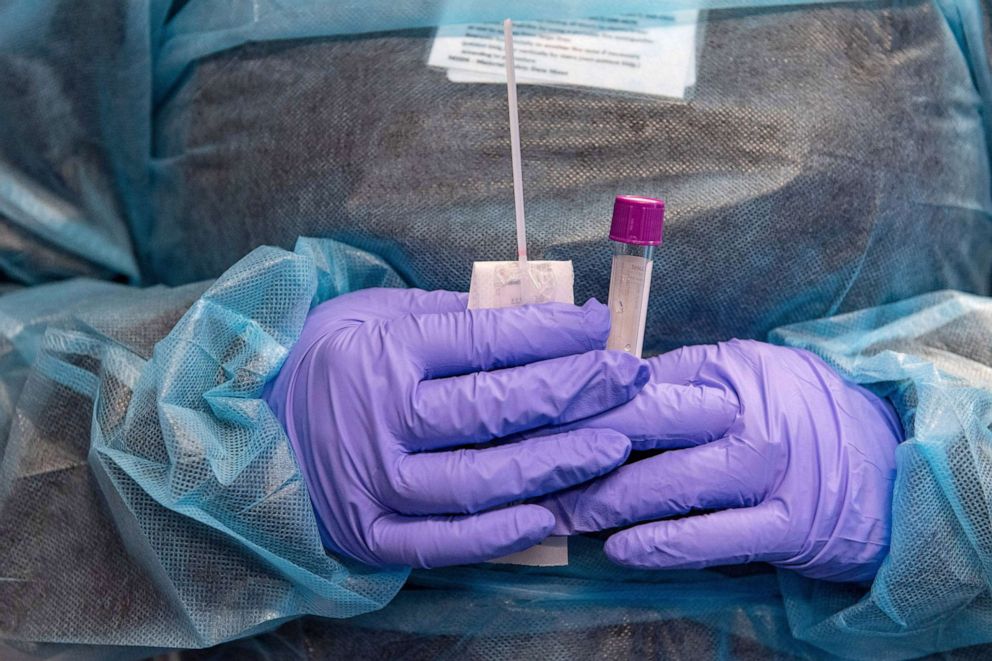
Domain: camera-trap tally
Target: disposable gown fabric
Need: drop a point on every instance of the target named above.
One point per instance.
(932, 355)
(75, 108)
(202, 27)
(832, 159)
(147, 494)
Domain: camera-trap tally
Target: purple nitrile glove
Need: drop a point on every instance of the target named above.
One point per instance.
(799, 463)
(383, 383)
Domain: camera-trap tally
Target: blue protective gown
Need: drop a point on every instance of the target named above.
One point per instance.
(180, 183)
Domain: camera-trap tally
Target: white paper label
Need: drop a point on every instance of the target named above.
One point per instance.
(630, 286)
(552, 552)
(641, 53)
(498, 285)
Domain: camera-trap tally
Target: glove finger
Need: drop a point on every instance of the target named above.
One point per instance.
(467, 481)
(384, 304)
(669, 416)
(438, 541)
(728, 537)
(723, 474)
(475, 340)
(665, 416)
(681, 366)
(438, 301)
(480, 407)
(390, 303)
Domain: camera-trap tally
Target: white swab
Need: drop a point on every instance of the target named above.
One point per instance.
(518, 182)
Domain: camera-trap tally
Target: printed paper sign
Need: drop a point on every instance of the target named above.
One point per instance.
(641, 53)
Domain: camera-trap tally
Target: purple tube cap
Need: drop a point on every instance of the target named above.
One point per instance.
(637, 220)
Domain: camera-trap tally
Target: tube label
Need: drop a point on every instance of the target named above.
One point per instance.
(630, 286)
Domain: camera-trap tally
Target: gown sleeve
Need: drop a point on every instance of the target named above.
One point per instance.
(140, 464)
(932, 357)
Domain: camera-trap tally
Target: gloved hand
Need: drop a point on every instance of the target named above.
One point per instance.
(799, 463)
(383, 383)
